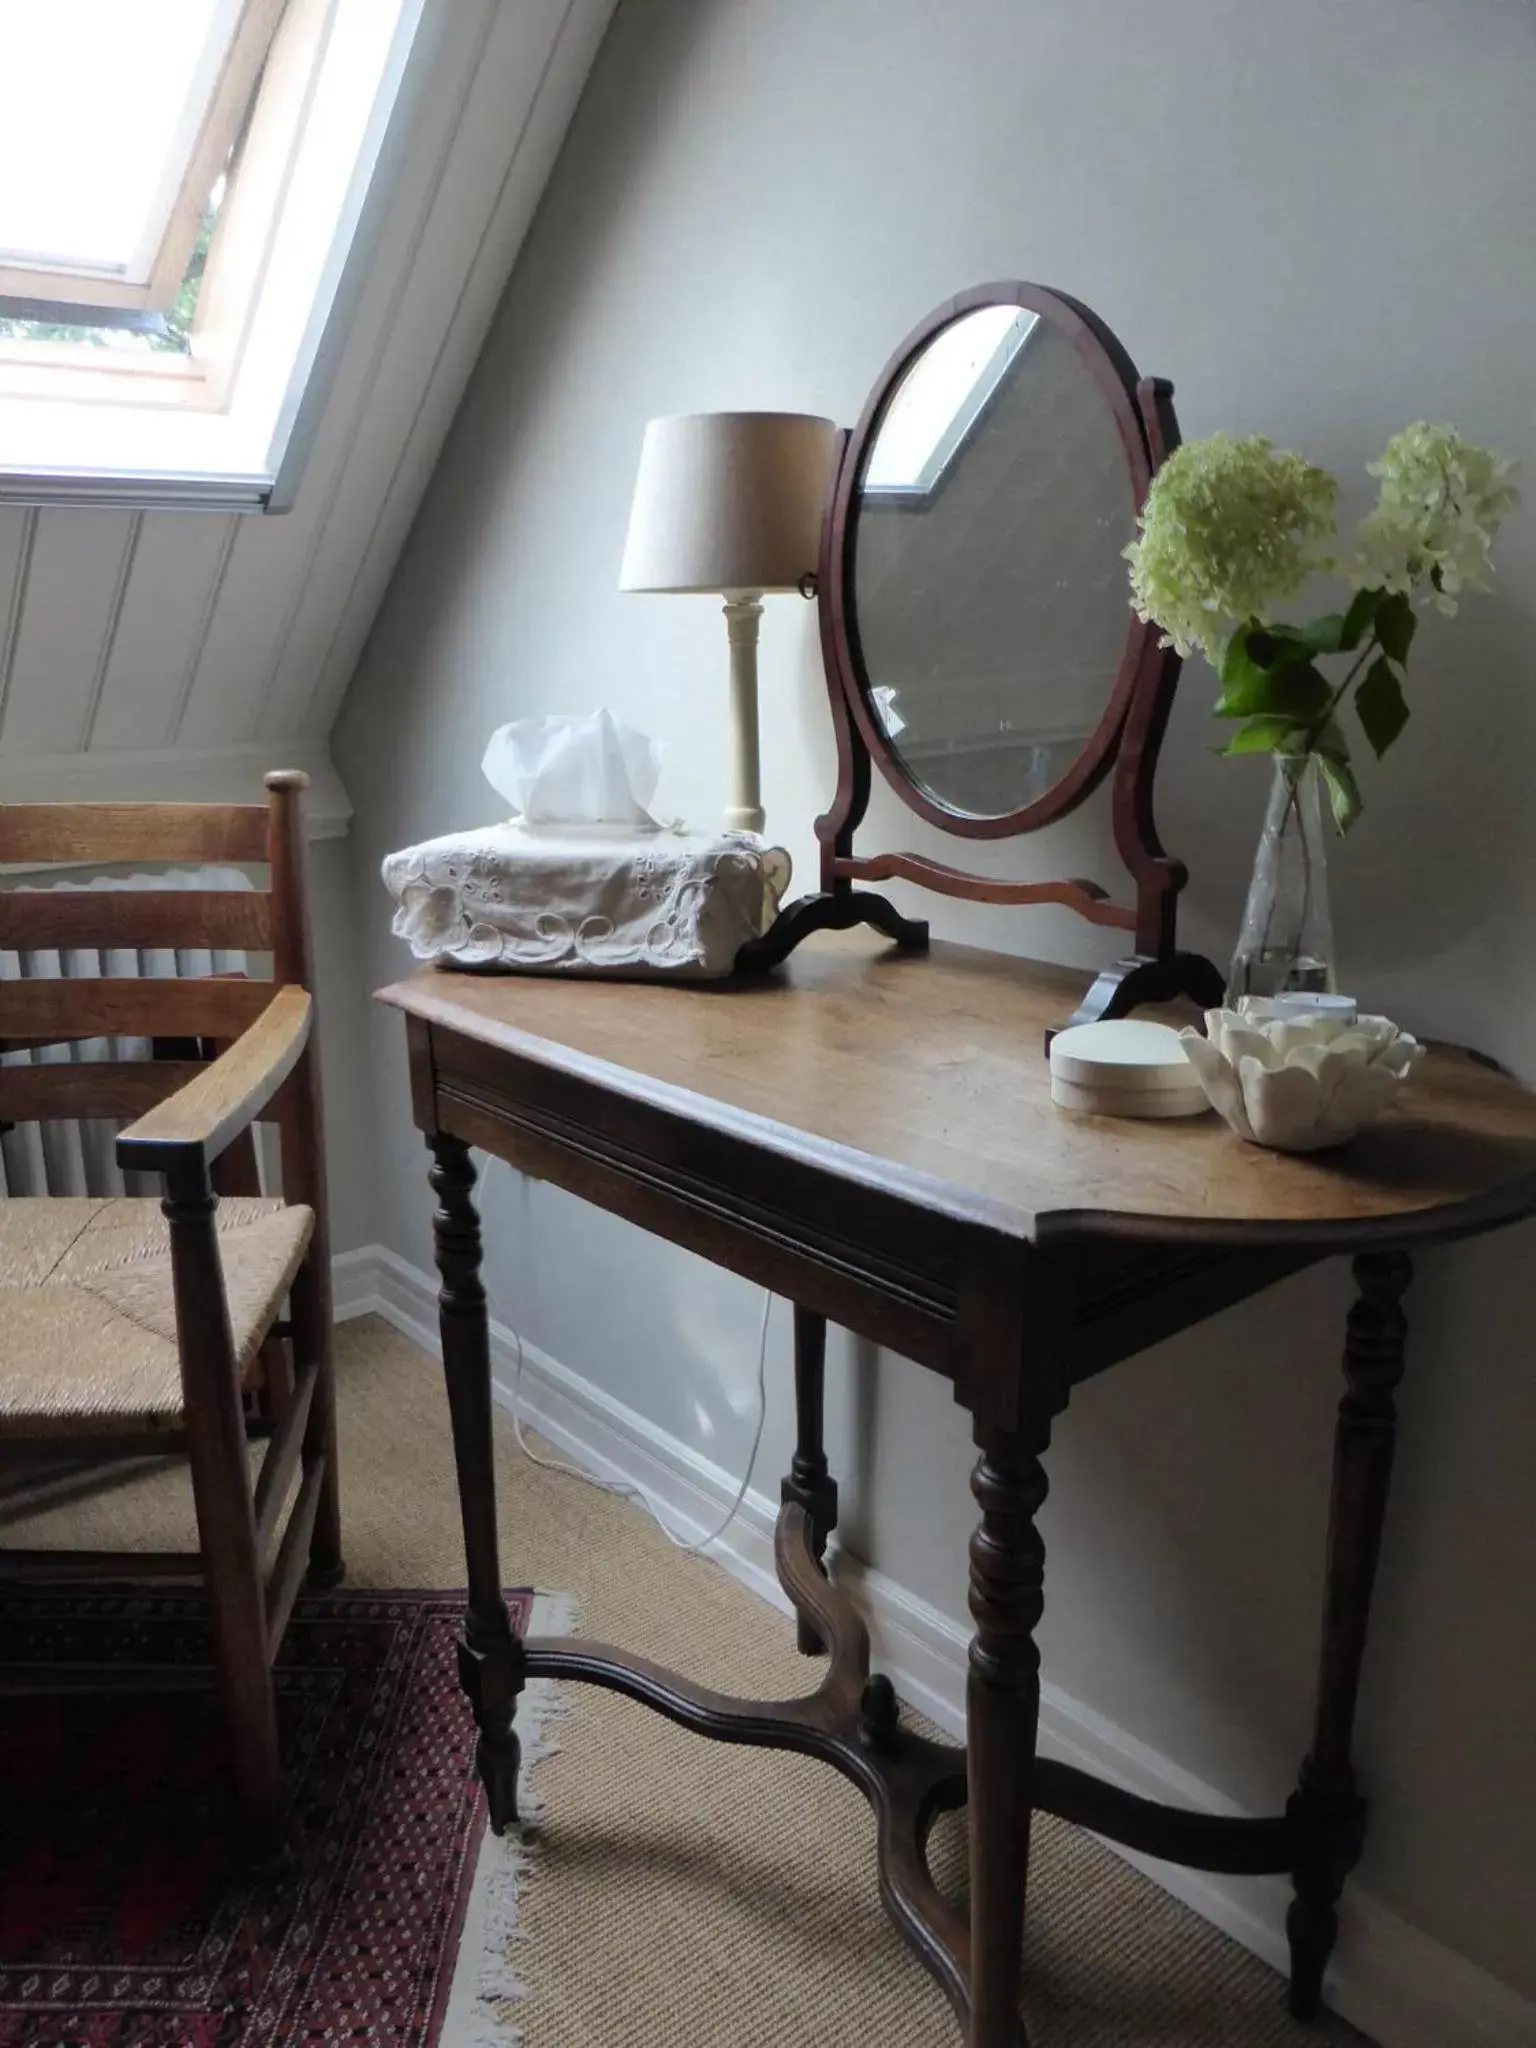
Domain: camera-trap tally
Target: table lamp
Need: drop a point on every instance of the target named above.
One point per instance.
(730, 503)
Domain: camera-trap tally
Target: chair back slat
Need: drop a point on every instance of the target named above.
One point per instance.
(91, 1088)
(128, 936)
(36, 833)
(133, 1007)
(233, 919)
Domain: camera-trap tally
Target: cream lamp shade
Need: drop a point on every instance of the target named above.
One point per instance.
(728, 501)
(731, 503)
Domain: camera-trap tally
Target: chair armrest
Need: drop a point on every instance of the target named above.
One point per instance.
(193, 1126)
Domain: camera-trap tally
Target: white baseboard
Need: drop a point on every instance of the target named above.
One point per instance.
(356, 1279)
(1396, 1984)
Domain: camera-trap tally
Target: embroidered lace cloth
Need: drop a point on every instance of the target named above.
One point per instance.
(571, 901)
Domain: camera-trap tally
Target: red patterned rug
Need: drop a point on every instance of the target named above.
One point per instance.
(125, 1913)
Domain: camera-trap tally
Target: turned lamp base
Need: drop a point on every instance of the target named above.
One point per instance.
(743, 613)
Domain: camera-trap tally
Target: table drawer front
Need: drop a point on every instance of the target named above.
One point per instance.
(870, 1260)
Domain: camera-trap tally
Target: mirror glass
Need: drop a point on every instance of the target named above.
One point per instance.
(987, 586)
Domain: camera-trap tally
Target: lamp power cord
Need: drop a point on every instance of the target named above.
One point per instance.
(626, 1489)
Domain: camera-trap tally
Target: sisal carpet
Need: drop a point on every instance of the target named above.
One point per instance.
(684, 1895)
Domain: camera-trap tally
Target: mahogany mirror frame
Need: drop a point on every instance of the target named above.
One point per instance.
(1126, 740)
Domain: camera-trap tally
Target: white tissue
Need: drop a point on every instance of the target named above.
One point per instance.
(575, 772)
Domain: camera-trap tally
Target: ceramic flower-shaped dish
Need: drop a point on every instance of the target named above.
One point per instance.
(1299, 1084)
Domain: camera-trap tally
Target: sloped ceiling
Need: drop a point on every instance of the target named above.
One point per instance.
(179, 654)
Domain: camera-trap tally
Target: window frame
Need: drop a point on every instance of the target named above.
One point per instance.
(201, 382)
(150, 281)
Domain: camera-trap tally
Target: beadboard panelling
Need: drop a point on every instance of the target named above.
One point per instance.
(72, 601)
(159, 645)
(215, 640)
(18, 530)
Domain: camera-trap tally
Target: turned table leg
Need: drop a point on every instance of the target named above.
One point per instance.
(1327, 1806)
(1002, 1715)
(491, 1667)
(809, 1484)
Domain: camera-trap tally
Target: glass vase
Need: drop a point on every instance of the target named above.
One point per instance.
(1286, 942)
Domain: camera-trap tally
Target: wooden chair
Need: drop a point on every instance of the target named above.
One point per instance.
(125, 1332)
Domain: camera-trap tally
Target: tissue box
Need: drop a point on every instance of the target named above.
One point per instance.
(586, 901)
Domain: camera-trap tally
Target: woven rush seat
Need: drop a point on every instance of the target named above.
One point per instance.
(87, 1313)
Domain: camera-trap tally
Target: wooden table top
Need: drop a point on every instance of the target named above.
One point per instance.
(927, 1075)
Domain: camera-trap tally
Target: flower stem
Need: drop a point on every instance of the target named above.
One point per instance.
(1316, 730)
(1292, 811)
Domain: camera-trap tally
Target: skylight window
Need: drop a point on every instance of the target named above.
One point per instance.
(180, 182)
(942, 398)
(104, 208)
(101, 202)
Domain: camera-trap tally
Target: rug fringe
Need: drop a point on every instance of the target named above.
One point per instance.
(500, 1985)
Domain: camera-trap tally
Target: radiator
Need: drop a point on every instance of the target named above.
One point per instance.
(76, 1158)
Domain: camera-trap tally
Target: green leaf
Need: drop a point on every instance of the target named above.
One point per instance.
(1248, 691)
(1243, 677)
(1333, 633)
(1395, 625)
(1254, 646)
(1331, 740)
(1260, 645)
(1343, 790)
(1360, 617)
(1238, 661)
(1379, 701)
(1324, 635)
(1265, 736)
(1318, 636)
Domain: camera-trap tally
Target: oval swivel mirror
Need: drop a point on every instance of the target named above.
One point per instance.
(985, 599)
(976, 629)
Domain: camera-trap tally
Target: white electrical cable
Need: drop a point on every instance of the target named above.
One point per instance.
(624, 1488)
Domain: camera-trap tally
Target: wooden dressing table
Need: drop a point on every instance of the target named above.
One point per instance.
(872, 1136)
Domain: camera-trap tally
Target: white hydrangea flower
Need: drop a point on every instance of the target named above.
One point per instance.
(1441, 503)
(1230, 529)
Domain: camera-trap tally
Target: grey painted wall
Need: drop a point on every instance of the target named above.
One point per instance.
(1316, 219)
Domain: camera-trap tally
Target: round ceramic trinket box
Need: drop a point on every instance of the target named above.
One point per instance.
(1124, 1066)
